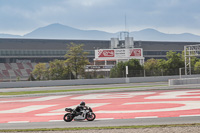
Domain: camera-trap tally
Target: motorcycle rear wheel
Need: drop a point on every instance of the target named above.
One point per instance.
(91, 117)
(68, 117)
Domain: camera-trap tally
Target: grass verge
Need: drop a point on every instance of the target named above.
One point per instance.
(69, 90)
(99, 128)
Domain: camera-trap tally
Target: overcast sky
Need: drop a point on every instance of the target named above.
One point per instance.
(168, 16)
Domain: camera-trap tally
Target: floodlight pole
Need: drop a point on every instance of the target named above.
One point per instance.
(185, 47)
(190, 50)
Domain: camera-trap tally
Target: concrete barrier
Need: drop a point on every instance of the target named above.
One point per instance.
(184, 81)
(91, 81)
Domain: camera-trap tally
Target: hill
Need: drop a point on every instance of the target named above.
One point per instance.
(59, 31)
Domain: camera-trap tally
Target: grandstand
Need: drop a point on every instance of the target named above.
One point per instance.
(11, 71)
(19, 56)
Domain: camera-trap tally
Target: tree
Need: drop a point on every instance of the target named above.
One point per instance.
(174, 62)
(151, 64)
(40, 71)
(155, 67)
(31, 77)
(134, 67)
(120, 68)
(76, 59)
(197, 67)
(151, 67)
(58, 70)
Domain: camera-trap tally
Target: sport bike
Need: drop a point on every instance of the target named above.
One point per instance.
(82, 115)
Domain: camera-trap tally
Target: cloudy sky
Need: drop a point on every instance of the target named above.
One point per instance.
(168, 16)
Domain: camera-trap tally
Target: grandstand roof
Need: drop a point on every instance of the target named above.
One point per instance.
(44, 44)
(53, 44)
(162, 46)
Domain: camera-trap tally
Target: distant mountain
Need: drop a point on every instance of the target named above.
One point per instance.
(9, 36)
(59, 31)
(154, 35)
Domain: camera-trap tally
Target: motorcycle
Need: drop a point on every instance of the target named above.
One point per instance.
(82, 115)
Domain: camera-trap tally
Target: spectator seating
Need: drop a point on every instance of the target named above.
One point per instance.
(15, 70)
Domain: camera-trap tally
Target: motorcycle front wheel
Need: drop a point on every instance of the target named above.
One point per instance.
(68, 117)
(90, 117)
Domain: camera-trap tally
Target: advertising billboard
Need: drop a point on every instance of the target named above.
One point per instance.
(106, 53)
(118, 53)
(135, 52)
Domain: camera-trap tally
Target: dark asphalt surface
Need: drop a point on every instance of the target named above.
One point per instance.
(102, 123)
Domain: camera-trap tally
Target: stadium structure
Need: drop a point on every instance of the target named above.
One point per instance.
(19, 56)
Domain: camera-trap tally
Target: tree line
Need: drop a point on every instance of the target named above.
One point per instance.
(76, 60)
(71, 68)
(155, 67)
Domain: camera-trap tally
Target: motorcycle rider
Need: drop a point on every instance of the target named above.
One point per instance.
(81, 112)
(81, 107)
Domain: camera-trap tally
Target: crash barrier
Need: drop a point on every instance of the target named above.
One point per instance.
(184, 81)
(87, 81)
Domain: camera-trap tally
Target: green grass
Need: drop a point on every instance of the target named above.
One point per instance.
(69, 90)
(99, 128)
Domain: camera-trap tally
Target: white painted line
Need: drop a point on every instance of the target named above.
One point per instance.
(176, 95)
(92, 105)
(26, 109)
(183, 105)
(101, 119)
(49, 114)
(56, 120)
(18, 121)
(40, 99)
(62, 112)
(146, 117)
(112, 96)
(188, 115)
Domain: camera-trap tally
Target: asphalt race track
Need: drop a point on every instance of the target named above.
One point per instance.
(129, 106)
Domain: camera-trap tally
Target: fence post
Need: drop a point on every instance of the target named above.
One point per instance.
(180, 72)
(126, 71)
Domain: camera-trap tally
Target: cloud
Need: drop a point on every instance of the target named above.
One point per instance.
(26, 15)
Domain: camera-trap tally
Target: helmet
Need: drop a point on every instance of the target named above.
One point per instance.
(82, 103)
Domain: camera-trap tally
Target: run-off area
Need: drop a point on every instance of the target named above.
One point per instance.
(113, 105)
